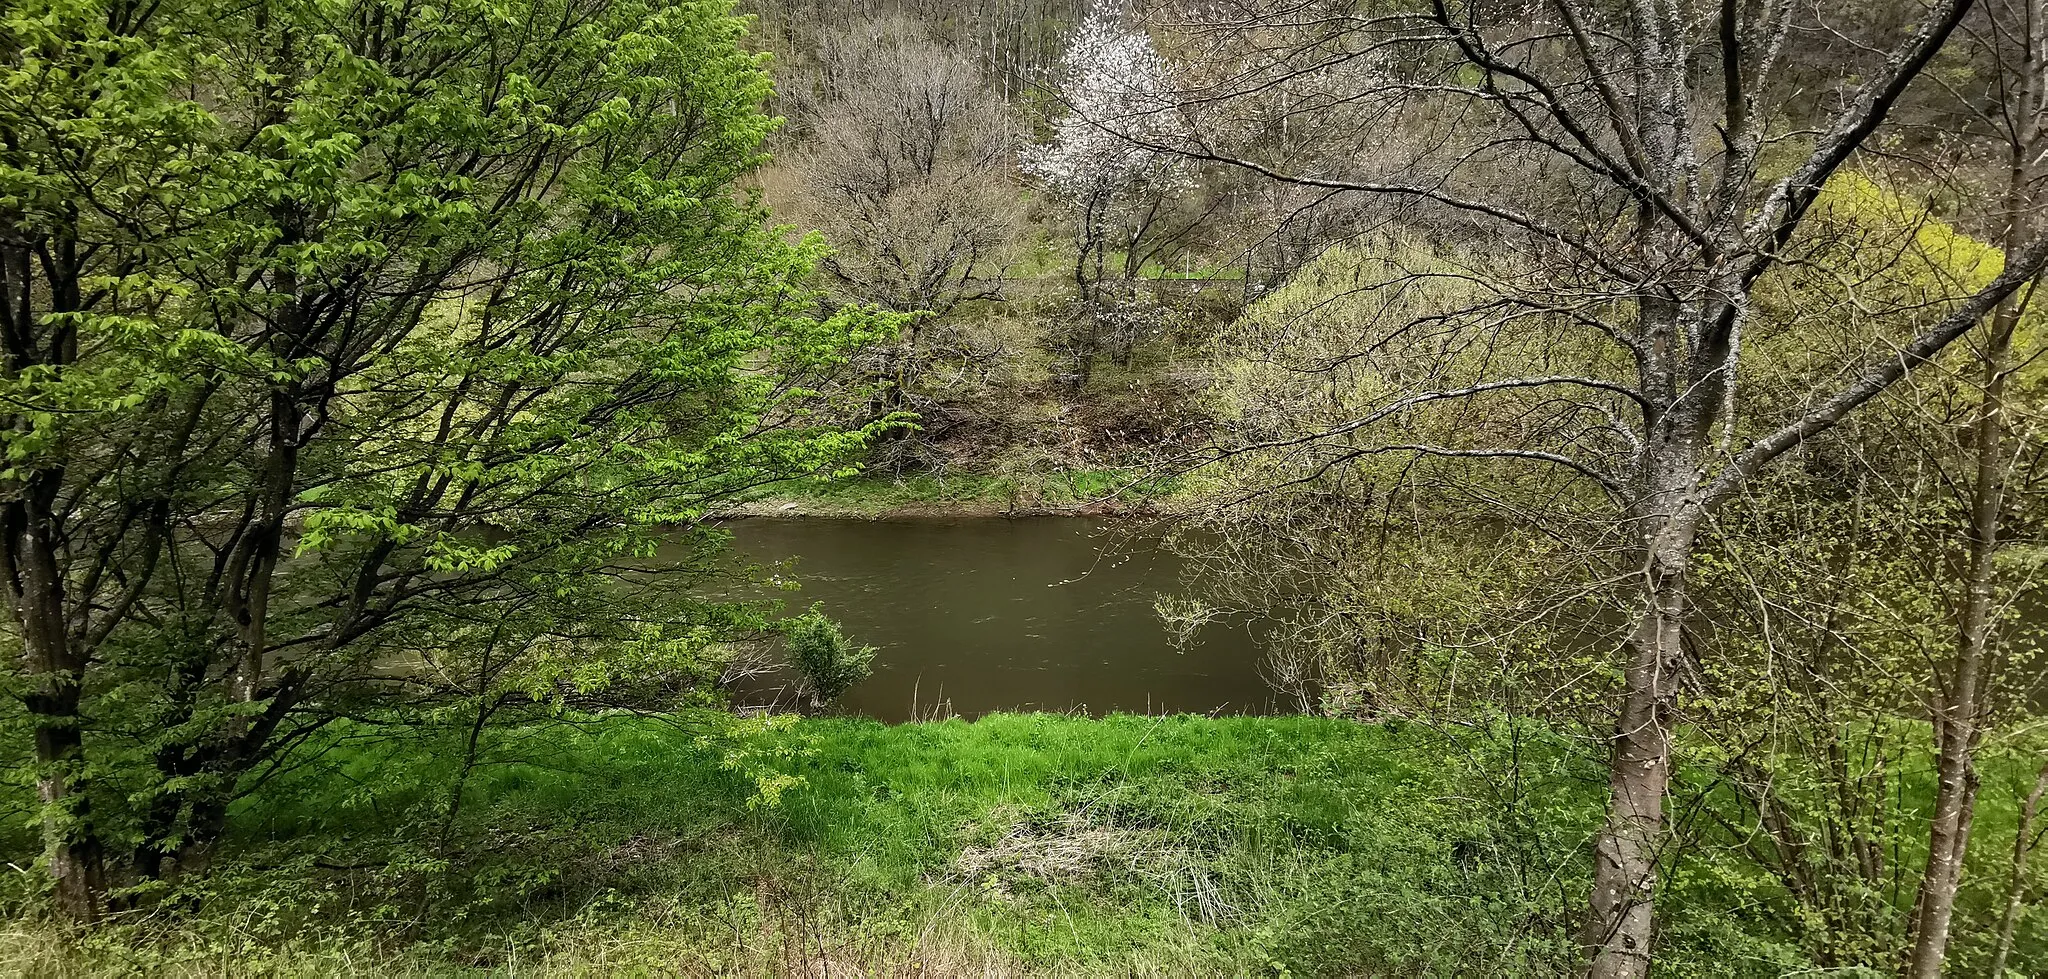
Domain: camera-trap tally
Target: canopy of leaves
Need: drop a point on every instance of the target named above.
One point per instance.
(360, 354)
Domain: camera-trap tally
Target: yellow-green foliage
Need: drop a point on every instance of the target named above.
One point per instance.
(1937, 252)
(1292, 363)
(1371, 323)
(1417, 583)
(1873, 268)
(1832, 582)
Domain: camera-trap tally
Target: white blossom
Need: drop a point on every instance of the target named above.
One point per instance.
(1118, 94)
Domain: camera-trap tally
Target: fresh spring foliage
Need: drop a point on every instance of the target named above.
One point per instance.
(1404, 586)
(350, 348)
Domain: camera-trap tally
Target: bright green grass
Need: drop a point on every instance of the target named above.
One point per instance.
(1042, 844)
(1016, 844)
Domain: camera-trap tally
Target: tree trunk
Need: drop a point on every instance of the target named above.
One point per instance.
(1947, 839)
(55, 673)
(1958, 711)
(74, 852)
(1618, 932)
(2015, 890)
(1959, 708)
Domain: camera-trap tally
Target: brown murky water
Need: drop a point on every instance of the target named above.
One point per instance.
(982, 614)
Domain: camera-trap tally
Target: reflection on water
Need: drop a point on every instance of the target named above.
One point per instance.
(981, 614)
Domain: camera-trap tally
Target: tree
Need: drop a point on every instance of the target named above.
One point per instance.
(334, 328)
(1010, 39)
(903, 167)
(2024, 841)
(1834, 587)
(1127, 201)
(2013, 41)
(1617, 158)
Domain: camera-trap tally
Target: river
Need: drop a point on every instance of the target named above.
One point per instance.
(973, 615)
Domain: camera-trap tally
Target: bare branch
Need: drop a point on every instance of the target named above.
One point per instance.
(2020, 267)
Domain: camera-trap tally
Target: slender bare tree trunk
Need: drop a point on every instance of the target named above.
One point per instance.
(1620, 927)
(2015, 889)
(1959, 708)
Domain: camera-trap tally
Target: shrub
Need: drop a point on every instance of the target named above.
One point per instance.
(829, 661)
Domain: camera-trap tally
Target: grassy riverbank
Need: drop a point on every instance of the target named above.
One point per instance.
(1053, 492)
(1018, 844)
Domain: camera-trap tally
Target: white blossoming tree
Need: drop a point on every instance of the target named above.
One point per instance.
(1128, 203)
(1114, 87)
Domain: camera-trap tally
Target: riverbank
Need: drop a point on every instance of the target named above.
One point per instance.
(1020, 844)
(1055, 493)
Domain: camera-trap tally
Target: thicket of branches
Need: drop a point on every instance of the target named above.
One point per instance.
(1638, 261)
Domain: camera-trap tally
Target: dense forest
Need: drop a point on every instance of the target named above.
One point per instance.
(1618, 429)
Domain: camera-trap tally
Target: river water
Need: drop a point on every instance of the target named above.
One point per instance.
(974, 615)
